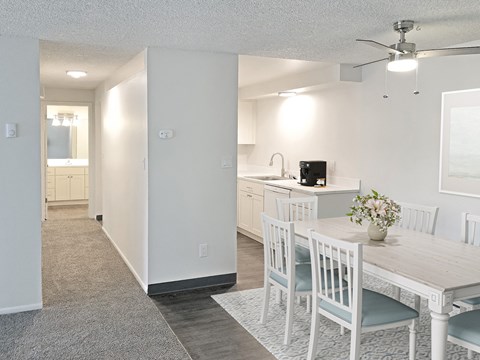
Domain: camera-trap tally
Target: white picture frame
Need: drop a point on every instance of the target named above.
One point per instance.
(460, 143)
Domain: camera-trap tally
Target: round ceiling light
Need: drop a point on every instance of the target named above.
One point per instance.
(76, 74)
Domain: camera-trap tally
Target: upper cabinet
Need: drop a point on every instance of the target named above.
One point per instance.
(246, 122)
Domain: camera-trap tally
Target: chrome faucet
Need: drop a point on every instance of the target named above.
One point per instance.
(282, 174)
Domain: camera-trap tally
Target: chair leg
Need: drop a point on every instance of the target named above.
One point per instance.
(342, 330)
(355, 344)
(299, 300)
(266, 299)
(396, 292)
(312, 345)
(417, 307)
(309, 304)
(278, 296)
(289, 322)
(412, 340)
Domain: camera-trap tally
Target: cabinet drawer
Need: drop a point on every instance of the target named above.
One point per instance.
(50, 171)
(251, 187)
(51, 194)
(70, 171)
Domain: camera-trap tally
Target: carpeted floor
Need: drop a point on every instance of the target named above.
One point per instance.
(244, 306)
(93, 307)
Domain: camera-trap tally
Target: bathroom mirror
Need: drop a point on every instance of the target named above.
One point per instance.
(67, 132)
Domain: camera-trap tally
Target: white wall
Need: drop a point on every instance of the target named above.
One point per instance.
(192, 200)
(124, 173)
(20, 209)
(391, 145)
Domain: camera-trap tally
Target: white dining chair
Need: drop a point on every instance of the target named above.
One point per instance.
(463, 330)
(281, 270)
(419, 218)
(350, 305)
(298, 209)
(470, 234)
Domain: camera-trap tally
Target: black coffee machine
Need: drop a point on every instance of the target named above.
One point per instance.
(313, 173)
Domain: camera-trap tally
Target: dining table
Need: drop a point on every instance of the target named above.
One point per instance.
(437, 269)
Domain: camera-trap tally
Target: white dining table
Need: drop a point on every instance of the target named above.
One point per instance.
(439, 270)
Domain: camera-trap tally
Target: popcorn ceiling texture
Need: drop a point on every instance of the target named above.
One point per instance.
(107, 33)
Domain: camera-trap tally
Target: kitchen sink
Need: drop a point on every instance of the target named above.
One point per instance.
(266, 177)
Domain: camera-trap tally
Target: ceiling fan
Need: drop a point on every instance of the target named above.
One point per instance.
(403, 55)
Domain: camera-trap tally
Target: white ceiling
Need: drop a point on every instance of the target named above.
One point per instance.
(99, 35)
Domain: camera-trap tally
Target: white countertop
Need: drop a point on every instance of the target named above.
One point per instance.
(334, 184)
(67, 162)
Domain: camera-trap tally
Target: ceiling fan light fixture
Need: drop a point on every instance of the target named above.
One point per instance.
(402, 63)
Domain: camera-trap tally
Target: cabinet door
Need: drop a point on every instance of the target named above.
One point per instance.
(245, 201)
(77, 187)
(62, 187)
(257, 208)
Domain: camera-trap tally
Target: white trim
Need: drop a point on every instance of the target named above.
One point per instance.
(125, 260)
(22, 308)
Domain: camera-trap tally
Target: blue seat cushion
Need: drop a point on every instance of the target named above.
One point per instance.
(303, 278)
(302, 255)
(472, 301)
(377, 309)
(465, 326)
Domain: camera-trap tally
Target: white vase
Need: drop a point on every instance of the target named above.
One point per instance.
(374, 233)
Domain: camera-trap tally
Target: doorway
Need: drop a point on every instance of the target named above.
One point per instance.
(66, 156)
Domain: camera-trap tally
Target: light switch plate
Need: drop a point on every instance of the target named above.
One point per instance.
(227, 162)
(10, 130)
(165, 134)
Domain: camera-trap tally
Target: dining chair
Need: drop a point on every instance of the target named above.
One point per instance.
(281, 270)
(463, 330)
(298, 209)
(471, 236)
(349, 305)
(419, 218)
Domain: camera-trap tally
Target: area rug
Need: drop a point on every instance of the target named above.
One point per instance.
(244, 307)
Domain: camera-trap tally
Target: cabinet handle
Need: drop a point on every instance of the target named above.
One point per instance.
(249, 196)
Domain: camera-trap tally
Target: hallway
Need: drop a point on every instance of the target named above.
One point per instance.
(92, 306)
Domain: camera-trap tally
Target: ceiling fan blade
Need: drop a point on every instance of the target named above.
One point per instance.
(380, 46)
(448, 51)
(371, 62)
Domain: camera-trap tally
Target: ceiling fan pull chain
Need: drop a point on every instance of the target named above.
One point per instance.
(385, 95)
(416, 92)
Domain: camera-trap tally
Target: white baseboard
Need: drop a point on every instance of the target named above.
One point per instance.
(17, 309)
(125, 260)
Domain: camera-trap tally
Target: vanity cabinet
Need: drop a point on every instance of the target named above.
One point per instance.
(250, 205)
(67, 183)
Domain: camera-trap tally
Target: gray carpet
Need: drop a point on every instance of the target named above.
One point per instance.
(93, 307)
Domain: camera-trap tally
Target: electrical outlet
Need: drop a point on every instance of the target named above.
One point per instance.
(203, 250)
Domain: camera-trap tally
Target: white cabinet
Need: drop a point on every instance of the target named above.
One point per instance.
(67, 183)
(250, 205)
(246, 122)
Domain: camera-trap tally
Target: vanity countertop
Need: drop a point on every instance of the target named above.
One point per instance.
(67, 162)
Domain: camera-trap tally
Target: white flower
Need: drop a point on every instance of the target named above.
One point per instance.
(377, 207)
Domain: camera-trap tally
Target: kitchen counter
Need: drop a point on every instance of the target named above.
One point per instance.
(334, 185)
(67, 162)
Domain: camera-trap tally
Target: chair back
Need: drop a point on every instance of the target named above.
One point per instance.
(297, 209)
(345, 256)
(470, 234)
(279, 248)
(418, 217)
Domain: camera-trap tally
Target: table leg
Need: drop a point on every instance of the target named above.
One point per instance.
(439, 335)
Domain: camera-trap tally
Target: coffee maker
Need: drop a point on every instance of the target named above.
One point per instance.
(313, 173)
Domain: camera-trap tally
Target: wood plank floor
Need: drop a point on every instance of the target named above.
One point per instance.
(203, 327)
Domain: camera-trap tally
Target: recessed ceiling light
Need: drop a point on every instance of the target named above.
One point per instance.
(76, 74)
(287, 93)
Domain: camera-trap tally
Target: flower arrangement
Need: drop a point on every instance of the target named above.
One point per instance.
(378, 209)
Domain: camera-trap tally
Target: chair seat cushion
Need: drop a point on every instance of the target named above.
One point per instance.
(302, 255)
(465, 326)
(472, 301)
(377, 309)
(303, 278)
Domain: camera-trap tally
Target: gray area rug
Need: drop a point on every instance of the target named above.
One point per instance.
(244, 307)
(93, 307)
